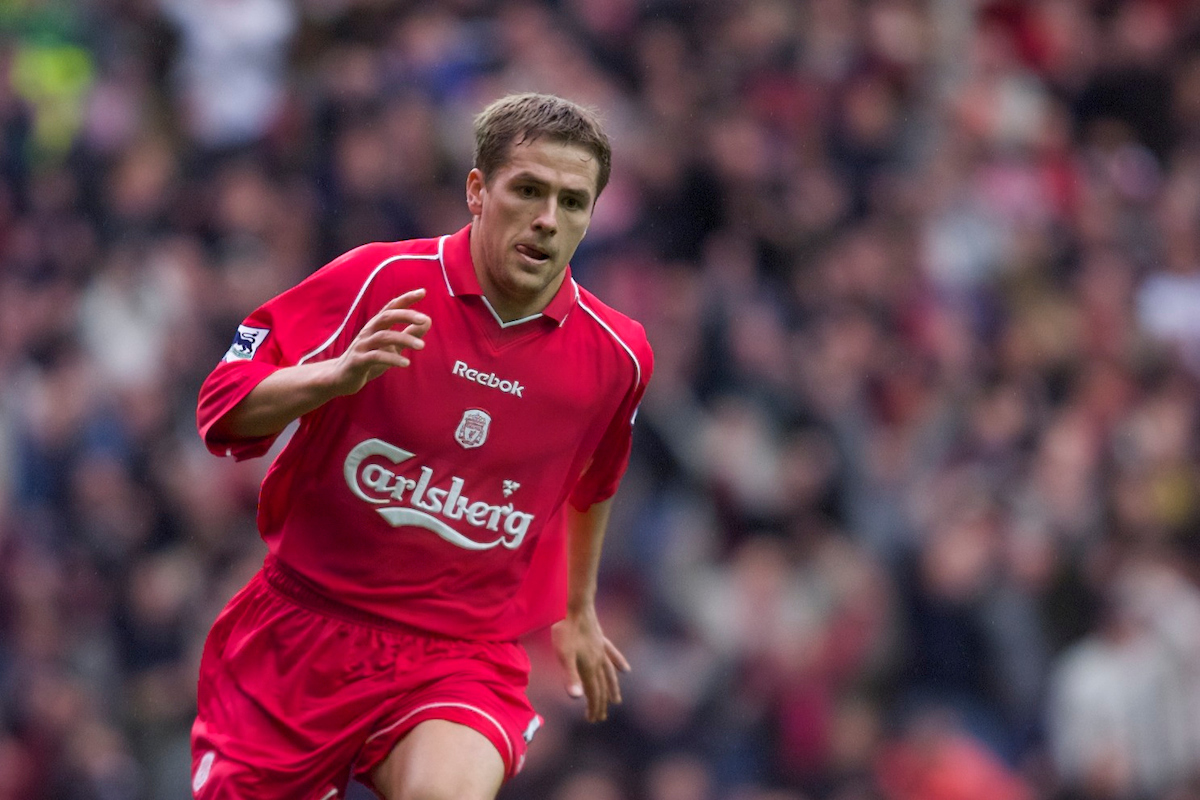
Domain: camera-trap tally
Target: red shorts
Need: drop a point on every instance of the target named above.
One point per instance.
(298, 695)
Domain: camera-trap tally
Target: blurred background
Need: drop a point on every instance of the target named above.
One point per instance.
(913, 511)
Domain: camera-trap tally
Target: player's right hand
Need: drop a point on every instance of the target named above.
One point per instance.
(379, 346)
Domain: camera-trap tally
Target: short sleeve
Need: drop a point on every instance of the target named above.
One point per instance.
(603, 473)
(306, 323)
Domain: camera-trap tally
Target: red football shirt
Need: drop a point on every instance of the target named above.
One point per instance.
(436, 495)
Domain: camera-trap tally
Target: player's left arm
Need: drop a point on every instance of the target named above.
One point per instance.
(589, 658)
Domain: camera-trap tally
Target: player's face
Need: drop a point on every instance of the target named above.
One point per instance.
(529, 218)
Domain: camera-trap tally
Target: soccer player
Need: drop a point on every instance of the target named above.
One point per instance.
(465, 411)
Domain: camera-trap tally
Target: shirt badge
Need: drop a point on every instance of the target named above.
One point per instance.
(245, 343)
(473, 430)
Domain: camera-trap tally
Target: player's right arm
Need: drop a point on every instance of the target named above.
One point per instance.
(291, 392)
(327, 336)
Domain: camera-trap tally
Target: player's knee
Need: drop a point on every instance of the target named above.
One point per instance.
(418, 784)
(432, 791)
(429, 793)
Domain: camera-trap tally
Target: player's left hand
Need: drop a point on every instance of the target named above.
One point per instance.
(591, 662)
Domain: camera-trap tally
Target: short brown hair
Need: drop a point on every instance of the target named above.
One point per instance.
(519, 118)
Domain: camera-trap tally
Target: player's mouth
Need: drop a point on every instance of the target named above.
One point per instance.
(533, 254)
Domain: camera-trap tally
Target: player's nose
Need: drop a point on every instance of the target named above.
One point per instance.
(546, 220)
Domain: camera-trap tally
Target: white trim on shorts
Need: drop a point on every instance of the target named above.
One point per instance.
(507, 741)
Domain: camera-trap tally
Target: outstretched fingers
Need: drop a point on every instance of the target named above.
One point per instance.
(405, 300)
(381, 331)
(613, 662)
(378, 362)
(596, 689)
(398, 311)
(382, 343)
(592, 664)
(601, 681)
(615, 656)
(415, 322)
(574, 681)
(393, 339)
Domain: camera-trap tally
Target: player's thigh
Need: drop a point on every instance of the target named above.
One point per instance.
(441, 760)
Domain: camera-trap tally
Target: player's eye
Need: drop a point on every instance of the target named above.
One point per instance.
(526, 191)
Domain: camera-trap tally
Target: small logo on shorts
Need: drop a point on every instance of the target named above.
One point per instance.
(203, 769)
(473, 429)
(532, 728)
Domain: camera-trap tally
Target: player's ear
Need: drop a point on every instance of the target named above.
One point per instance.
(475, 189)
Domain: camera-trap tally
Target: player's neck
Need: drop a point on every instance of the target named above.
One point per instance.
(509, 308)
(511, 305)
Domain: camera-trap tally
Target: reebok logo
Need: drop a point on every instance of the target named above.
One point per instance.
(488, 379)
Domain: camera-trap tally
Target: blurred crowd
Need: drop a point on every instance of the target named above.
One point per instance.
(914, 506)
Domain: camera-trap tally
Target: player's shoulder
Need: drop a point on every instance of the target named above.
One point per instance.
(382, 269)
(374, 256)
(620, 330)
